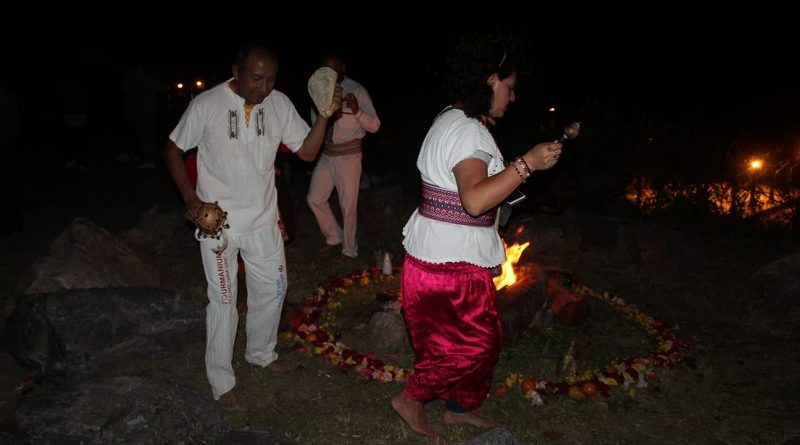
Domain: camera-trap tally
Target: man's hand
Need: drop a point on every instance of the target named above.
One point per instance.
(352, 103)
(190, 209)
(336, 104)
(210, 219)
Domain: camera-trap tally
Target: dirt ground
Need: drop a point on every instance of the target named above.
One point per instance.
(741, 388)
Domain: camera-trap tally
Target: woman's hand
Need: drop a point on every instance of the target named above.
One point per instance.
(543, 156)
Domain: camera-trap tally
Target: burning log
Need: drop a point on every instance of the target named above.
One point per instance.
(569, 308)
(537, 298)
(518, 303)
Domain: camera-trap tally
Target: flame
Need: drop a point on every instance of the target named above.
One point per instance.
(507, 276)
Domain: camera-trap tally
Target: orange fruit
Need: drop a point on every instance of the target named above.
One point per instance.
(589, 388)
(527, 385)
(311, 337)
(576, 393)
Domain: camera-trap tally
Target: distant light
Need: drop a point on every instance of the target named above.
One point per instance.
(551, 109)
(199, 84)
(756, 164)
(180, 86)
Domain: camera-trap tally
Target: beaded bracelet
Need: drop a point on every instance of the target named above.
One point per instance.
(519, 172)
(521, 161)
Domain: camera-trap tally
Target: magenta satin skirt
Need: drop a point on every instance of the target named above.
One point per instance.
(455, 329)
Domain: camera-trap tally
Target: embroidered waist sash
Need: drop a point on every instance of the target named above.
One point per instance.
(444, 205)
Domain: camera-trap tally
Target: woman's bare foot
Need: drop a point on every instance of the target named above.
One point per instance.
(229, 402)
(411, 412)
(469, 418)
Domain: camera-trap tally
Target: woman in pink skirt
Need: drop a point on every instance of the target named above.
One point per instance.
(452, 244)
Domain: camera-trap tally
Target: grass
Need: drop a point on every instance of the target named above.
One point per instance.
(741, 391)
(317, 404)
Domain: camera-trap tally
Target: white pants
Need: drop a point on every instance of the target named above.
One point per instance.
(265, 272)
(344, 173)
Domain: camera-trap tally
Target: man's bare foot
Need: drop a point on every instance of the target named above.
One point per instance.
(411, 412)
(229, 402)
(469, 418)
(276, 367)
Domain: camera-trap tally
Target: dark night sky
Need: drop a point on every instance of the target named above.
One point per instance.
(668, 58)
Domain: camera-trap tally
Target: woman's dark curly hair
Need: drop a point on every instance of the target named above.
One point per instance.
(474, 61)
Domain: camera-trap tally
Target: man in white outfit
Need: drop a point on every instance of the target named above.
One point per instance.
(339, 166)
(237, 127)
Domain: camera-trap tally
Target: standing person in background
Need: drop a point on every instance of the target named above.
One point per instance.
(452, 245)
(9, 133)
(237, 127)
(76, 121)
(141, 88)
(339, 166)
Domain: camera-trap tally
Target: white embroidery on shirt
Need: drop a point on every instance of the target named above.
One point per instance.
(260, 122)
(233, 124)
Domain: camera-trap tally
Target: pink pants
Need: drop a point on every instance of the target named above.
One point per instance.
(455, 329)
(343, 173)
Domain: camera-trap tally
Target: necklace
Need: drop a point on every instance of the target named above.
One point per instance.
(247, 109)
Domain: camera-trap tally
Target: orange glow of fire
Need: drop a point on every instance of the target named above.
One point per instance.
(720, 195)
(507, 276)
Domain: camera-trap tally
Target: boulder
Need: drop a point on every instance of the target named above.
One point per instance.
(86, 256)
(85, 332)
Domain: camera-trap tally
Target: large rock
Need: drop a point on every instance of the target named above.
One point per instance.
(129, 410)
(120, 410)
(388, 333)
(776, 285)
(161, 231)
(83, 332)
(86, 256)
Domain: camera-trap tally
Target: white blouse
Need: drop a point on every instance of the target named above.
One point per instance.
(452, 138)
